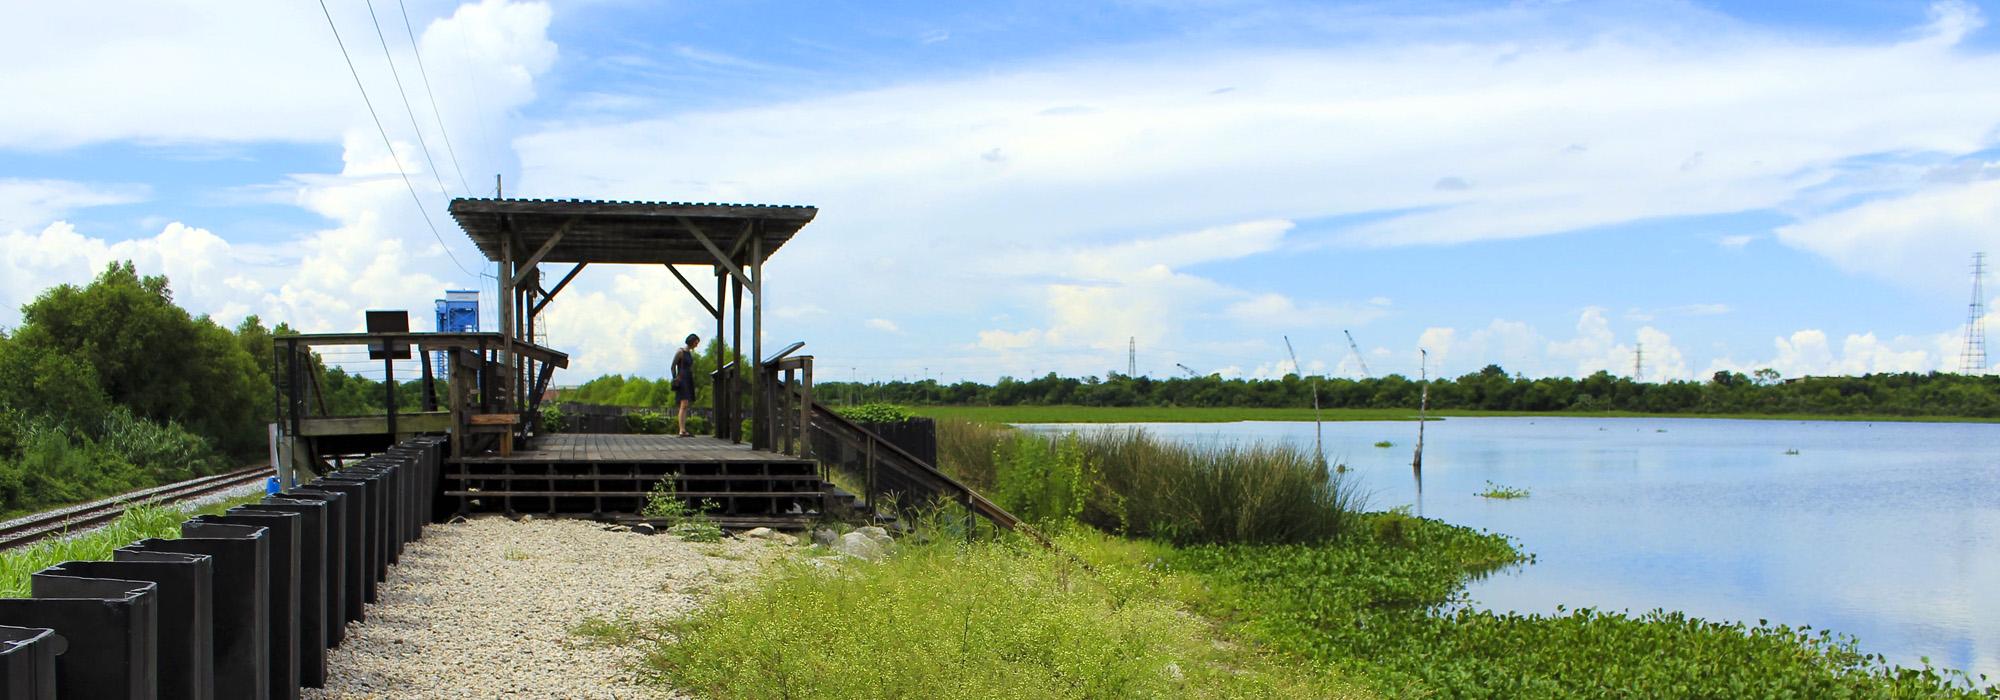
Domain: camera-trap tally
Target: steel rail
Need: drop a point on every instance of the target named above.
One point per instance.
(29, 529)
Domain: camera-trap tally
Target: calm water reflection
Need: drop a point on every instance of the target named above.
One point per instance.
(1886, 531)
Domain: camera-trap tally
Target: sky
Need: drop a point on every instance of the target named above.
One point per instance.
(1017, 188)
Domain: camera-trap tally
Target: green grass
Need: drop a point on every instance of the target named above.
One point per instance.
(993, 619)
(17, 565)
(1494, 490)
(1167, 414)
(1381, 605)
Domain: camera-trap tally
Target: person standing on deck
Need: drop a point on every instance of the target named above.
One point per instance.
(683, 380)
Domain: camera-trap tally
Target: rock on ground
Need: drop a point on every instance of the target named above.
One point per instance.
(484, 609)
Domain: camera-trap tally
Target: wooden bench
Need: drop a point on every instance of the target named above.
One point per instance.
(495, 423)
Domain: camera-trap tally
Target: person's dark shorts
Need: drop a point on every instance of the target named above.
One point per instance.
(684, 392)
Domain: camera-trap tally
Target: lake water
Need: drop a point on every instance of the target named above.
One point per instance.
(1889, 532)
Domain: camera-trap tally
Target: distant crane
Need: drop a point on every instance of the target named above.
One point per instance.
(1190, 370)
(1365, 374)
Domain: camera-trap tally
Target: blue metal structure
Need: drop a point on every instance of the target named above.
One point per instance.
(457, 312)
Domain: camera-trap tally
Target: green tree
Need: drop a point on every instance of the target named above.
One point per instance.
(146, 354)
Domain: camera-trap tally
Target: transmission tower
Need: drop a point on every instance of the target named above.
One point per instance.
(1357, 355)
(1131, 356)
(1972, 360)
(1639, 362)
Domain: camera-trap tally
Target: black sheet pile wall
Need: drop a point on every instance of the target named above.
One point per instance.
(245, 604)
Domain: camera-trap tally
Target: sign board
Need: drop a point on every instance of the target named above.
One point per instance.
(389, 322)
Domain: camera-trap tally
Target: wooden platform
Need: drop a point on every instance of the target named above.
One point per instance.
(606, 476)
(564, 447)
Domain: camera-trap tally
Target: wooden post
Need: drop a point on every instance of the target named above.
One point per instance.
(735, 377)
(456, 389)
(757, 320)
(805, 409)
(430, 381)
(715, 398)
(389, 385)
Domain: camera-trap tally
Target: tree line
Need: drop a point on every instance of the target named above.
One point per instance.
(1489, 389)
(111, 386)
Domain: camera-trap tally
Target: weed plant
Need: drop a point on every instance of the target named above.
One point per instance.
(992, 619)
(691, 523)
(1386, 604)
(1494, 490)
(1384, 444)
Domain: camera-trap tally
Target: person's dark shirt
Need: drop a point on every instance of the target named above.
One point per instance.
(684, 369)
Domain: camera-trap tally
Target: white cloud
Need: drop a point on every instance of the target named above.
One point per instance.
(243, 70)
(34, 202)
(1922, 239)
(884, 325)
(377, 254)
(1736, 242)
(1681, 112)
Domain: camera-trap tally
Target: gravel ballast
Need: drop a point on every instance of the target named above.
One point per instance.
(484, 609)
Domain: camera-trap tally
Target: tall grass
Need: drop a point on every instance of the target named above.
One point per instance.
(142, 522)
(968, 450)
(1130, 483)
(994, 619)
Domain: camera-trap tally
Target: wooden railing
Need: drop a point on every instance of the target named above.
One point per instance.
(790, 421)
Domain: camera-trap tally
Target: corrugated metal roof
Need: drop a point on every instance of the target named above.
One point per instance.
(612, 231)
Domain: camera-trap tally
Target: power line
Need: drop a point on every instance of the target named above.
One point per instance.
(386, 143)
(407, 109)
(435, 112)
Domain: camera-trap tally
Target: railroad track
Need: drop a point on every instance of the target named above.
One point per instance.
(22, 531)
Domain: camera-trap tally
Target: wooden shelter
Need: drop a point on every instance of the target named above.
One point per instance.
(733, 240)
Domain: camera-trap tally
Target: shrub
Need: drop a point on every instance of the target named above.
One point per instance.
(875, 413)
(553, 420)
(1043, 480)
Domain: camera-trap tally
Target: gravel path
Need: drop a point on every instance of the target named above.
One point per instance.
(483, 609)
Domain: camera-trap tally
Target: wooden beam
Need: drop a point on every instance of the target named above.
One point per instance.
(426, 422)
(551, 295)
(712, 311)
(727, 264)
(521, 273)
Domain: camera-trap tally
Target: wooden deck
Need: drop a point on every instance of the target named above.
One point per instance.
(611, 476)
(585, 448)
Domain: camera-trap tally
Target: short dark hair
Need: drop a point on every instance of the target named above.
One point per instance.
(692, 339)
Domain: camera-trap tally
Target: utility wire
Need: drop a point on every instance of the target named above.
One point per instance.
(435, 112)
(386, 143)
(400, 92)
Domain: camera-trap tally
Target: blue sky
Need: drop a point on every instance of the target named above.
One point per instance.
(1017, 188)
